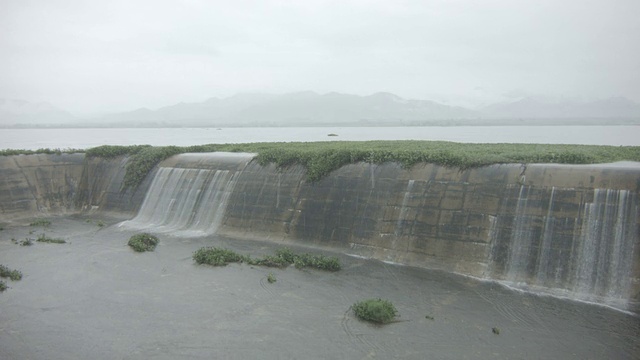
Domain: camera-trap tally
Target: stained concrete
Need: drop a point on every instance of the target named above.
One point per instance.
(462, 221)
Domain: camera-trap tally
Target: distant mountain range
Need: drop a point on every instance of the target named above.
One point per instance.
(20, 112)
(536, 108)
(310, 108)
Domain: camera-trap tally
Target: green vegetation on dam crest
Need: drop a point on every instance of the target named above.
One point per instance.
(320, 158)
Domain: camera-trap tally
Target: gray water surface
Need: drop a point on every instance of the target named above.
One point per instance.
(86, 138)
(94, 298)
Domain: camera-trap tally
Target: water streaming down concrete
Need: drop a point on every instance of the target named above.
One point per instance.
(587, 257)
(564, 230)
(184, 202)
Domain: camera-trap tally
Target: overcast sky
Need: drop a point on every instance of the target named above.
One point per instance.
(94, 56)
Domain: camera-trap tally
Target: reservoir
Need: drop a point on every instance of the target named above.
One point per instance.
(32, 139)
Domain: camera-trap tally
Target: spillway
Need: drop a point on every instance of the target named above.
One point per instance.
(563, 230)
(586, 254)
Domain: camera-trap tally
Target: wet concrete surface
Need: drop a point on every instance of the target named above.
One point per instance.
(94, 298)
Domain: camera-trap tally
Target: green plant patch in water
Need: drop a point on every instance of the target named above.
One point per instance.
(216, 256)
(283, 258)
(46, 239)
(143, 242)
(14, 275)
(375, 310)
(40, 222)
(271, 278)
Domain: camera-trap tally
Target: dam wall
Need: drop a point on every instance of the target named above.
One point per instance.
(51, 185)
(39, 184)
(565, 230)
(561, 229)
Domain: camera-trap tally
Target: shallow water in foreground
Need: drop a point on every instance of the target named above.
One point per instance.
(94, 298)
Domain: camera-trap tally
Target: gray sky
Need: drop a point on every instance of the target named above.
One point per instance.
(94, 56)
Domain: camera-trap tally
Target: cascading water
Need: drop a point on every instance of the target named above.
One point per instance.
(184, 202)
(606, 246)
(521, 240)
(544, 268)
(588, 257)
(402, 218)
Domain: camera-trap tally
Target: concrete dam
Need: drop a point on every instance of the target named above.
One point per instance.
(565, 230)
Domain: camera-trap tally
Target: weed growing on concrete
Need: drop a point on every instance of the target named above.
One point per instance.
(40, 222)
(44, 238)
(271, 278)
(375, 310)
(14, 275)
(321, 158)
(113, 151)
(57, 151)
(143, 242)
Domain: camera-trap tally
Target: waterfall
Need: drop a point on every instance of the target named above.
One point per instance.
(403, 209)
(543, 268)
(606, 246)
(521, 238)
(185, 202)
(585, 254)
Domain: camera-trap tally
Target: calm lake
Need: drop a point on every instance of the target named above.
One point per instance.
(33, 139)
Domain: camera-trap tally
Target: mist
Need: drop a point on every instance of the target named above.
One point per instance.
(92, 58)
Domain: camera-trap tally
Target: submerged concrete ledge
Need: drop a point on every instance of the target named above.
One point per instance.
(566, 228)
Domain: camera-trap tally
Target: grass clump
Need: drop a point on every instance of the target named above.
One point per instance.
(40, 222)
(216, 256)
(271, 278)
(143, 242)
(316, 261)
(44, 238)
(3, 286)
(14, 275)
(375, 310)
(282, 258)
(26, 242)
(48, 151)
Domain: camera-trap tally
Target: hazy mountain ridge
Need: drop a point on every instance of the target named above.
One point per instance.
(21, 112)
(300, 108)
(309, 108)
(540, 108)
